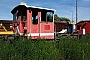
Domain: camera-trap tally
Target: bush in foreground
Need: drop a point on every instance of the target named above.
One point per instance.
(65, 49)
(23, 49)
(74, 49)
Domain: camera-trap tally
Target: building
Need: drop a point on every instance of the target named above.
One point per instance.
(83, 25)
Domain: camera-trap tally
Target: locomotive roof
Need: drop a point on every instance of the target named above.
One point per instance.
(24, 6)
(40, 8)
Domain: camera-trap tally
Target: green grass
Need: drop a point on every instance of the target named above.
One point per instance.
(65, 49)
(23, 49)
(73, 49)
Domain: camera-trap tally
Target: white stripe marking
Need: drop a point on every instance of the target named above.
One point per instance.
(41, 34)
(46, 34)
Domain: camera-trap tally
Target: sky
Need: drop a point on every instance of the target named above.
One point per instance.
(62, 7)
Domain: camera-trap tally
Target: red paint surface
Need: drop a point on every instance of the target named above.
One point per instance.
(43, 37)
(34, 28)
(29, 16)
(47, 37)
(47, 27)
(80, 31)
(21, 27)
(35, 37)
(39, 16)
(86, 27)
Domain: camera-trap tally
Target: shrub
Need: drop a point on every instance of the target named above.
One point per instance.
(74, 49)
(23, 49)
(65, 49)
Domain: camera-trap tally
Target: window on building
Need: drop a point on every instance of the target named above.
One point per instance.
(34, 17)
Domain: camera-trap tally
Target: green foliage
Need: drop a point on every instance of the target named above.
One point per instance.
(56, 17)
(23, 49)
(66, 49)
(74, 49)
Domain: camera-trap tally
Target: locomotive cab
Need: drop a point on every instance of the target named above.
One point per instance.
(34, 22)
(20, 14)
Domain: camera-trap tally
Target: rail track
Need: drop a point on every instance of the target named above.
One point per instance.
(75, 36)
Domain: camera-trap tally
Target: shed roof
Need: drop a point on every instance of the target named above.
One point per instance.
(60, 21)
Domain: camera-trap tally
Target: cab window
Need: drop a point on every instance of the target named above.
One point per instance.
(14, 17)
(46, 16)
(34, 17)
(49, 17)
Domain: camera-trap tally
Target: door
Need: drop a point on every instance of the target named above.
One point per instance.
(35, 24)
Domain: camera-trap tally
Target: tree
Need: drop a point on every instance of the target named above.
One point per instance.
(64, 19)
(56, 17)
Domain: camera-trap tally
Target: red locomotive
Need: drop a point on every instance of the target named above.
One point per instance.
(37, 22)
(34, 22)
